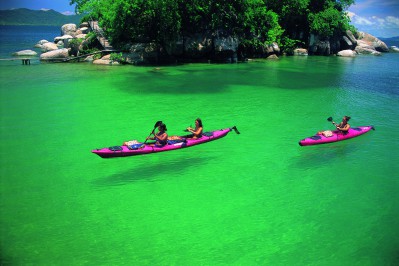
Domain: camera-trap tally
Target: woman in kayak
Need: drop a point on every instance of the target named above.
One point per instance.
(343, 126)
(197, 131)
(161, 137)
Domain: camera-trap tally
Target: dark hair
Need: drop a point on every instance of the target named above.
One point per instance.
(199, 122)
(347, 118)
(162, 126)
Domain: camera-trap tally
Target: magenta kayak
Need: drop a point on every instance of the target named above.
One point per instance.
(335, 136)
(123, 151)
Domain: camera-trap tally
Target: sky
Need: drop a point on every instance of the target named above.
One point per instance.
(61, 6)
(377, 17)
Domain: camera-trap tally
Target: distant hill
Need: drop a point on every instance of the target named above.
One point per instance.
(391, 41)
(23, 16)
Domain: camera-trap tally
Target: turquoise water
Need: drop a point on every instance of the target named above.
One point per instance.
(257, 198)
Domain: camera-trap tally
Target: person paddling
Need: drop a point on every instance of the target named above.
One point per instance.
(343, 126)
(161, 137)
(197, 131)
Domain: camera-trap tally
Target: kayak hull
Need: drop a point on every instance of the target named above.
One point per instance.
(336, 136)
(123, 151)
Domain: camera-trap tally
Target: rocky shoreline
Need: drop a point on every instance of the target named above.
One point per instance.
(77, 41)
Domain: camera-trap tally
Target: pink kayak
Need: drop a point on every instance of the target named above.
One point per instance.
(122, 151)
(336, 136)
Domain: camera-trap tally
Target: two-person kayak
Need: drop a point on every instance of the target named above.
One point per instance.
(143, 148)
(335, 136)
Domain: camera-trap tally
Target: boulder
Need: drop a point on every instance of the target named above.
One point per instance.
(320, 48)
(105, 62)
(394, 49)
(90, 58)
(142, 53)
(366, 50)
(300, 51)
(351, 37)
(55, 54)
(49, 46)
(372, 41)
(273, 56)
(81, 36)
(62, 38)
(84, 24)
(347, 53)
(84, 30)
(25, 53)
(68, 29)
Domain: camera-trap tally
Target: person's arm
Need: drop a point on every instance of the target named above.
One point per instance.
(196, 132)
(345, 128)
(162, 137)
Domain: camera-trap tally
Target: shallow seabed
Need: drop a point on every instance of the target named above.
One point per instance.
(257, 198)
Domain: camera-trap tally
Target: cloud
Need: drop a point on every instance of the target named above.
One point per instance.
(394, 21)
(379, 26)
(68, 13)
(358, 20)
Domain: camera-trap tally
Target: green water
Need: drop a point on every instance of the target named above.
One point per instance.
(257, 198)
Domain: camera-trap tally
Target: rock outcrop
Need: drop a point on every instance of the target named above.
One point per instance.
(347, 53)
(25, 53)
(394, 49)
(56, 54)
(361, 43)
(49, 46)
(69, 29)
(372, 41)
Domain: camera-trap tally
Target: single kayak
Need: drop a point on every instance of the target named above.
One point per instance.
(141, 148)
(335, 136)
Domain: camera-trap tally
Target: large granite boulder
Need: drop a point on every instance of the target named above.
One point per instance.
(372, 41)
(25, 53)
(347, 53)
(68, 29)
(54, 55)
(320, 48)
(394, 49)
(62, 38)
(49, 46)
(105, 60)
(300, 51)
(40, 43)
(366, 50)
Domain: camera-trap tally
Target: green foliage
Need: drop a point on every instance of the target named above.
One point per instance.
(117, 57)
(288, 45)
(254, 22)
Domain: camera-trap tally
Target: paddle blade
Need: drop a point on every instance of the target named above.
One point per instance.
(157, 124)
(235, 129)
(330, 119)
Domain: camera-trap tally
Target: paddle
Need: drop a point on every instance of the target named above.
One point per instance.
(235, 130)
(152, 132)
(330, 119)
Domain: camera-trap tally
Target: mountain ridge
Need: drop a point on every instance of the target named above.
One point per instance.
(28, 17)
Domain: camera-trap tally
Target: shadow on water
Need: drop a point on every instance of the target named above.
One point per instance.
(322, 155)
(151, 172)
